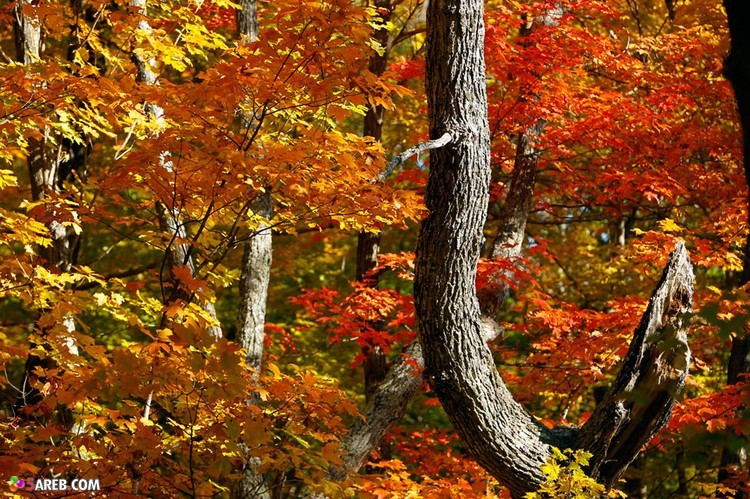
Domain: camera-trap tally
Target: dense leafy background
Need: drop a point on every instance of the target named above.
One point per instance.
(641, 148)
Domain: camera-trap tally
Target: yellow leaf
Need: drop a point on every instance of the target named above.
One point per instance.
(668, 225)
(7, 179)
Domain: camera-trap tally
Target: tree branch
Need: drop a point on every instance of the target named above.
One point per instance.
(653, 373)
(388, 403)
(417, 149)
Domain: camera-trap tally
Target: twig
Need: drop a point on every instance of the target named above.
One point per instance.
(417, 149)
(125, 142)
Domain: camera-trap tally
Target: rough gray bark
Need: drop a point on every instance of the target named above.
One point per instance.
(653, 373)
(254, 278)
(247, 20)
(495, 429)
(257, 254)
(458, 365)
(387, 403)
(386, 406)
(737, 71)
(43, 161)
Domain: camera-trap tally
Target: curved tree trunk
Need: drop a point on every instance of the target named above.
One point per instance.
(496, 430)
(458, 365)
(387, 401)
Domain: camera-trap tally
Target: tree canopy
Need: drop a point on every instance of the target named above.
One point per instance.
(390, 248)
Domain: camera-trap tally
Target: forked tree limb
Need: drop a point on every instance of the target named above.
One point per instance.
(653, 373)
(495, 429)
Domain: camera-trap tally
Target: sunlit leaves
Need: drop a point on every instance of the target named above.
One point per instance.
(640, 147)
(566, 476)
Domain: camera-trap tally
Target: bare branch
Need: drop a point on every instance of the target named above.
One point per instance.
(417, 149)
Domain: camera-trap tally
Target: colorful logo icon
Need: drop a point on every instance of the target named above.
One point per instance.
(16, 483)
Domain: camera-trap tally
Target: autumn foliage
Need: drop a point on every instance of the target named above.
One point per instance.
(640, 148)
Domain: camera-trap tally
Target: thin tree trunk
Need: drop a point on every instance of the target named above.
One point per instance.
(520, 194)
(375, 364)
(257, 255)
(368, 243)
(512, 227)
(251, 315)
(495, 429)
(44, 163)
(27, 29)
(254, 278)
(737, 71)
(45, 179)
(178, 252)
(388, 403)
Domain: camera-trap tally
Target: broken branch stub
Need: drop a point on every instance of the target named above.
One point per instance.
(653, 373)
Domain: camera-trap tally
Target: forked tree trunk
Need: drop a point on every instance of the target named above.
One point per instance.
(495, 429)
(737, 71)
